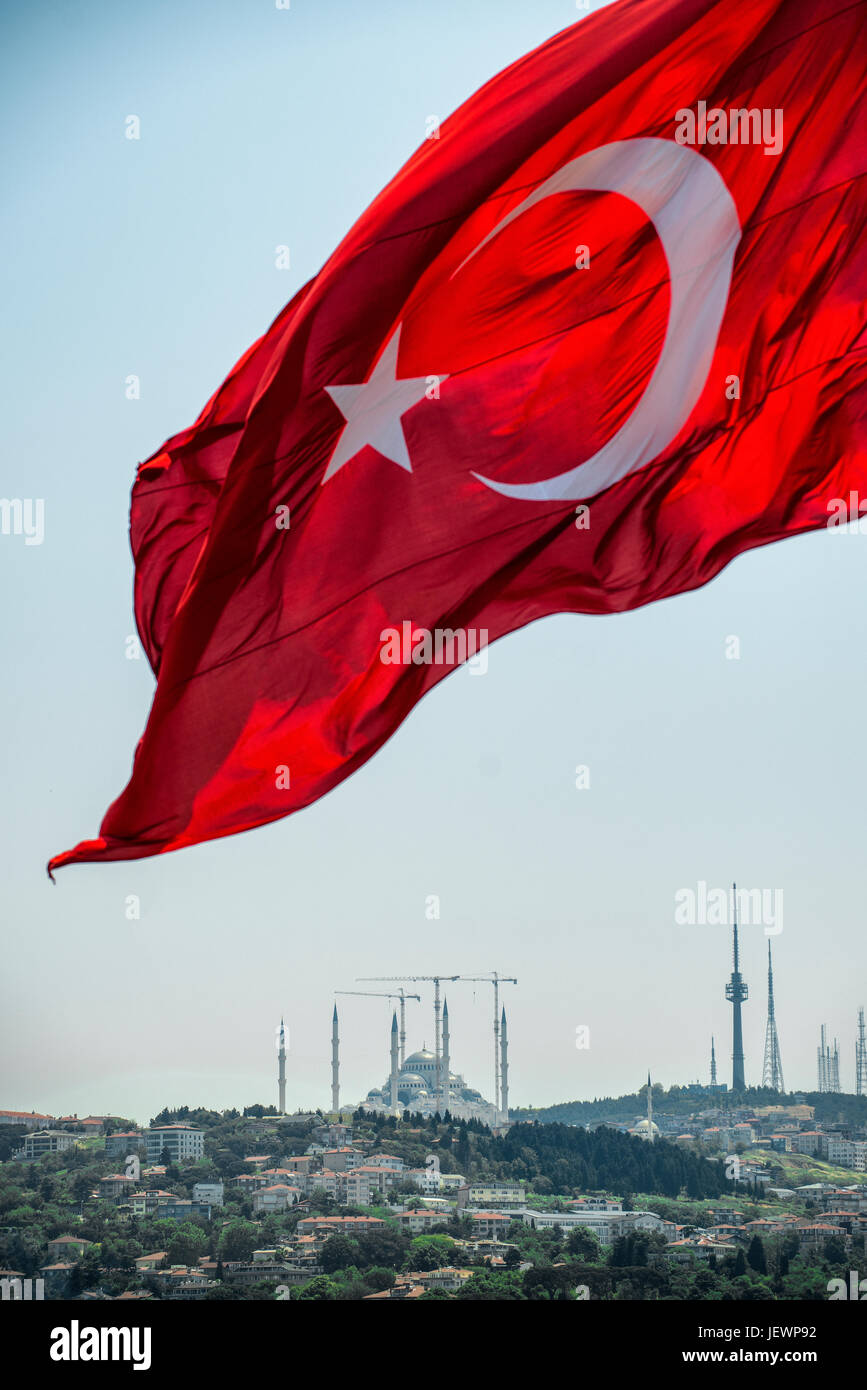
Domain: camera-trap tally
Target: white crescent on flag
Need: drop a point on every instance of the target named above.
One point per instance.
(696, 221)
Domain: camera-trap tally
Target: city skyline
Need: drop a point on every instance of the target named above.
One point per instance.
(350, 1103)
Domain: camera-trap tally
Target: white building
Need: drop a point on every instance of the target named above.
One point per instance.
(276, 1198)
(848, 1153)
(47, 1141)
(605, 1225)
(182, 1141)
(208, 1192)
(492, 1194)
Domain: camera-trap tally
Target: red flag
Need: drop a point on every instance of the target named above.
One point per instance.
(601, 335)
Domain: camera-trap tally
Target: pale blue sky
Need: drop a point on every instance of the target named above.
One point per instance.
(262, 127)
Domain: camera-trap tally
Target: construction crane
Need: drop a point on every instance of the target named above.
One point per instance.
(414, 980)
(374, 994)
(492, 978)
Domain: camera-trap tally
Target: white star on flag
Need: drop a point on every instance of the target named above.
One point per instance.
(373, 411)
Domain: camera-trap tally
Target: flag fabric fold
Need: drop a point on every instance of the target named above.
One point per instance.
(601, 335)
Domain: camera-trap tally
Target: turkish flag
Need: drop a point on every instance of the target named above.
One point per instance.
(602, 333)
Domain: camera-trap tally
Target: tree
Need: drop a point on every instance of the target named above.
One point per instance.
(756, 1256)
(320, 1289)
(338, 1252)
(582, 1244)
(238, 1240)
(740, 1264)
(489, 1287)
(320, 1202)
(187, 1244)
(546, 1284)
(386, 1248)
(379, 1279)
(429, 1252)
(835, 1250)
(80, 1186)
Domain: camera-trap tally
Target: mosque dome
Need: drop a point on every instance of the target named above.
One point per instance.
(411, 1081)
(641, 1129)
(426, 1083)
(420, 1058)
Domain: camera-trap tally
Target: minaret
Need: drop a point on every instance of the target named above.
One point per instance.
(504, 1069)
(335, 1065)
(649, 1110)
(446, 1057)
(712, 1063)
(736, 993)
(281, 1072)
(394, 1048)
(772, 1071)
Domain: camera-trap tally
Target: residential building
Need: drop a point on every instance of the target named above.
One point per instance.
(812, 1142)
(275, 1198)
(419, 1219)
(815, 1233)
(300, 1163)
(342, 1225)
(210, 1192)
(183, 1142)
(67, 1248)
(56, 1277)
(277, 1271)
(194, 1285)
(355, 1188)
(403, 1288)
(47, 1141)
(146, 1203)
(180, 1209)
(446, 1280)
(127, 1141)
(489, 1223)
(338, 1160)
(115, 1185)
(30, 1119)
(249, 1182)
(304, 1251)
(325, 1180)
(605, 1225)
(452, 1182)
(427, 1180)
(492, 1194)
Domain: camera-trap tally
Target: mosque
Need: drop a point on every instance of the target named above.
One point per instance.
(425, 1083)
(647, 1129)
